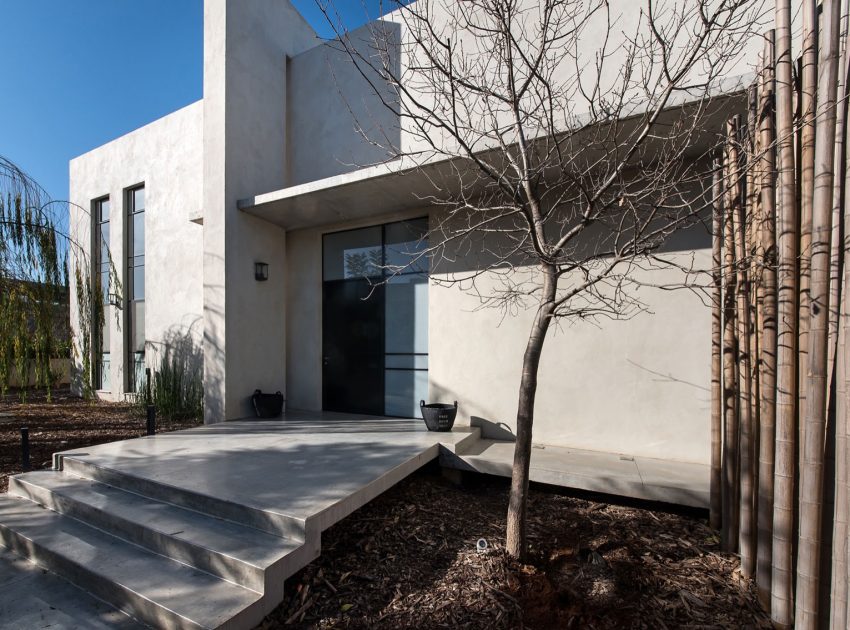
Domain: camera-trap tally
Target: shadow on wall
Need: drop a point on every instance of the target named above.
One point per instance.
(177, 370)
(181, 345)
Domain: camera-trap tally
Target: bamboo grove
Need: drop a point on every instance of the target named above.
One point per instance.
(781, 308)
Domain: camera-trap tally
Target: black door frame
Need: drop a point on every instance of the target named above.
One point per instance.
(383, 352)
(380, 385)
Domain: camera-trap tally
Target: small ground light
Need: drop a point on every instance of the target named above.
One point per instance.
(481, 546)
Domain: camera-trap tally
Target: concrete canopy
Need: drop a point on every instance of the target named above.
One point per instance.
(406, 183)
(394, 186)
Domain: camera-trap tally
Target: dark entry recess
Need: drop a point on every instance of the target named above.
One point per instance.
(353, 364)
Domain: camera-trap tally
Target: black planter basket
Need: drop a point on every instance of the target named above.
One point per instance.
(438, 416)
(267, 405)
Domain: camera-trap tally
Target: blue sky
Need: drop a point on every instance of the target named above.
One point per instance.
(78, 73)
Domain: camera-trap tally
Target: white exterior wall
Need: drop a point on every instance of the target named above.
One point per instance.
(329, 97)
(166, 157)
(639, 387)
(246, 45)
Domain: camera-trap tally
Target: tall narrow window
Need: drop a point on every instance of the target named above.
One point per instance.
(135, 287)
(405, 317)
(101, 271)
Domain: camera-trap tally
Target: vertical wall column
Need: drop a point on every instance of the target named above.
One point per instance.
(245, 50)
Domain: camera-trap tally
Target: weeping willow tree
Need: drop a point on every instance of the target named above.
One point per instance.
(34, 274)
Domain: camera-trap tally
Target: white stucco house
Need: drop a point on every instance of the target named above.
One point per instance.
(262, 170)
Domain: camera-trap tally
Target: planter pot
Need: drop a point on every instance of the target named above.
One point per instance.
(438, 416)
(267, 405)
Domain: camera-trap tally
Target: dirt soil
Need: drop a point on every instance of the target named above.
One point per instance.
(409, 560)
(66, 422)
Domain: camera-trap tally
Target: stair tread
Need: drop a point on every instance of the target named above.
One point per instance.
(244, 543)
(192, 594)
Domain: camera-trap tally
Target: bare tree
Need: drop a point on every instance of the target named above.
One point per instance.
(564, 143)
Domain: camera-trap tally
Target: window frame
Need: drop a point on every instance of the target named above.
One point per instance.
(131, 259)
(98, 266)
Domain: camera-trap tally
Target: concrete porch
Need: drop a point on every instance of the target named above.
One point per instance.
(200, 528)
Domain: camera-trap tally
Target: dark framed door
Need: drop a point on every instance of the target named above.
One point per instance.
(375, 319)
(353, 347)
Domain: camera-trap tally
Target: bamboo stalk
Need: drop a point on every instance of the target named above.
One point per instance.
(753, 224)
(737, 211)
(767, 346)
(808, 105)
(837, 231)
(841, 530)
(812, 452)
(838, 303)
(716, 353)
(730, 356)
(782, 605)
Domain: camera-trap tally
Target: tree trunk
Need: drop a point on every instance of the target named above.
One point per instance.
(782, 606)
(730, 358)
(516, 542)
(716, 353)
(767, 412)
(812, 452)
(738, 215)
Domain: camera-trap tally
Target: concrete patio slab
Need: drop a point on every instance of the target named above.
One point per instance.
(311, 467)
(682, 483)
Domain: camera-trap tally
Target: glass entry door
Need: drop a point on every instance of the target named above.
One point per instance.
(375, 320)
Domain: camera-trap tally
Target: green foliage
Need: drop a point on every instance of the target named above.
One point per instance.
(176, 386)
(36, 259)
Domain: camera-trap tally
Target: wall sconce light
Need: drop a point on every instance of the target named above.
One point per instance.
(261, 271)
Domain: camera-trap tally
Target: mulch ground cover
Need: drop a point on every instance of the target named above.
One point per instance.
(409, 560)
(65, 422)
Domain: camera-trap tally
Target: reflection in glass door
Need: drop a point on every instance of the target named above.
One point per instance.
(375, 319)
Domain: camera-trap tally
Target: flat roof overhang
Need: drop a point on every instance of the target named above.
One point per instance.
(406, 185)
(395, 186)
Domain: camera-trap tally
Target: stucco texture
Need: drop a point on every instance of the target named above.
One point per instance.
(166, 157)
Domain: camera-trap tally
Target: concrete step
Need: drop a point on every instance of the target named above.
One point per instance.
(35, 599)
(152, 588)
(283, 525)
(229, 550)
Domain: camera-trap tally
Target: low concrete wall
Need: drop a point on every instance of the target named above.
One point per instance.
(60, 368)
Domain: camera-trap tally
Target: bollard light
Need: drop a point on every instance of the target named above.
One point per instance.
(25, 449)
